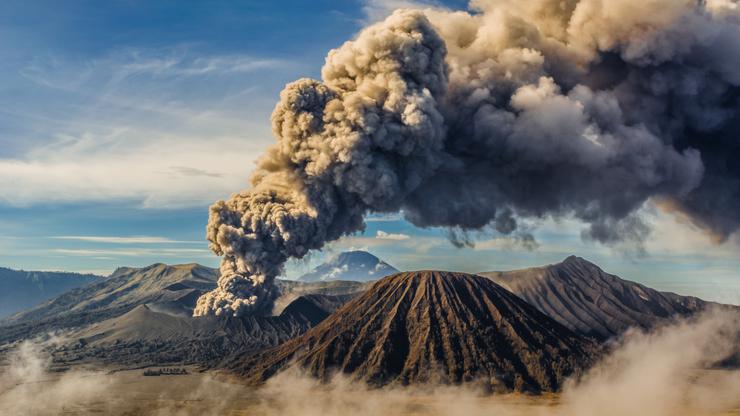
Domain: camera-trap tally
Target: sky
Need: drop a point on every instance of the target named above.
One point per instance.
(122, 121)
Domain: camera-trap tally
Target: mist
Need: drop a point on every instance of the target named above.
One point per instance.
(669, 371)
(27, 387)
(665, 372)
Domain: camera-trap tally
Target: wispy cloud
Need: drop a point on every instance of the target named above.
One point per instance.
(118, 65)
(384, 217)
(134, 252)
(375, 10)
(123, 240)
(164, 127)
(190, 171)
(179, 63)
(382, 235)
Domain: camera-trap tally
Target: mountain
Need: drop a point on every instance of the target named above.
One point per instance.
(359, 266)
(432, 326)
(21, 289)
(589, 301)
(167, 289)
(126, 288)
(146, 336)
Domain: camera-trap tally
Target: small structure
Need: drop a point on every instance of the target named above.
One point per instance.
(165, 372)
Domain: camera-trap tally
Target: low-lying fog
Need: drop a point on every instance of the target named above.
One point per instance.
(646, 374)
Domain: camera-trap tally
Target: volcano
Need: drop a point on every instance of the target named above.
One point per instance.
(433, 327)
(359, 266)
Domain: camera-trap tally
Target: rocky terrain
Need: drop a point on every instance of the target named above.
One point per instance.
(358, 266)
(145, 337)
(290, 290)
(437, 327)
(166, 289)
(584, 298)
(20, 289)
(142, 316)
(395, 332)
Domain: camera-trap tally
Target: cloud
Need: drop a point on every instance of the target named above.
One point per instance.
(178, 62)
(124, 240)
(376, 10)
(382, 235)
(505, 243)
(135, 174)
(384, 217)
(190, 171)
(135, 252)
(121, 64)
(140, 126)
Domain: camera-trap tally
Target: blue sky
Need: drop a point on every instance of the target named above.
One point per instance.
(121, 121)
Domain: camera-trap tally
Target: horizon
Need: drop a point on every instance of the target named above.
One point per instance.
(298, 272)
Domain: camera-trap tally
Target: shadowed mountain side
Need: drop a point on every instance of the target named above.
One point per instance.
(20, 289)
(430, 326)
(584, 298)
(143, 336)
(290, 290)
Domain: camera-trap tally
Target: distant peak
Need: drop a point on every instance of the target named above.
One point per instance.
(576, 260)
(356, 253)
(355, 265)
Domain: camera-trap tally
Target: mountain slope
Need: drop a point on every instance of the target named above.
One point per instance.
(174, 287)
(432, 327)
(171, 290)
(290, 290)
(584, 298)
(21, 289)
(126, 288)
(145, 336)
(359, 266)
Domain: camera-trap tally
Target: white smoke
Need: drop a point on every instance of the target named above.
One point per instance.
(527, 109)
(663, 373)
(31, 385)
(28, 388)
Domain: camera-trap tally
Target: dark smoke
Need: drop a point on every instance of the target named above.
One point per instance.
(528, 109)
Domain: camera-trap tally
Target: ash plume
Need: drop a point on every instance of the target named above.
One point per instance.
(516, 110)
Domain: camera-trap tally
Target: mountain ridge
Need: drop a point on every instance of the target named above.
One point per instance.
(23, 289)
(583, 297)
(144, 336)
(168, 289)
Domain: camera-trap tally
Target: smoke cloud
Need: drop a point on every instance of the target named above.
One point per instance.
(516, 110)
